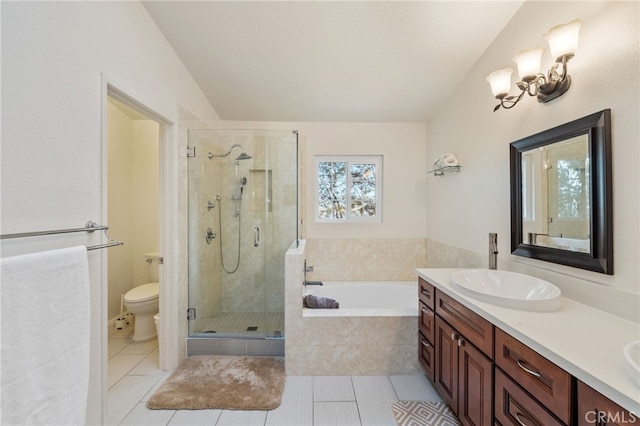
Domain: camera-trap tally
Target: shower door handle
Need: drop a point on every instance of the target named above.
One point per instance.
(256, 236)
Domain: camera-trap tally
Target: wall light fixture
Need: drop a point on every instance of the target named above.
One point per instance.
(563, 42)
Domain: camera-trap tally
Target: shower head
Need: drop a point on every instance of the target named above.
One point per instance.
(243, 155)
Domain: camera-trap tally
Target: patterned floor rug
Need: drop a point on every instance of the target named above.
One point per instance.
(421, 413)
(222, 382)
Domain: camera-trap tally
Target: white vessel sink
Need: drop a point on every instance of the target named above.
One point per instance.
(509, 289)
(632, 361)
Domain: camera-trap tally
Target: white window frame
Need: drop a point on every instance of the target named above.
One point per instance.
(350, 159)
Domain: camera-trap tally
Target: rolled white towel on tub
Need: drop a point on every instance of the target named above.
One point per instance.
(45, 337)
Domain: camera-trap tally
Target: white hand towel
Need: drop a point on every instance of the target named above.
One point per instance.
(45, 338)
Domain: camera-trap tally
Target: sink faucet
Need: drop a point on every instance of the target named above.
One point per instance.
(493, 250)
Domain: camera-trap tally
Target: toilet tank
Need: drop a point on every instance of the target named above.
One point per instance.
(153, 259)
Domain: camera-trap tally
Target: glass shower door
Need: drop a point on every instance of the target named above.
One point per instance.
(242, 218)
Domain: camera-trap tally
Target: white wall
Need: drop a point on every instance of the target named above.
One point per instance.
(465, 207)
(54, 55)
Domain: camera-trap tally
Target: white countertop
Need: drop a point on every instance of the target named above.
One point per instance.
(584, 341)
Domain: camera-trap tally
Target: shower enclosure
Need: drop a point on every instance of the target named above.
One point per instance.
(243, 216)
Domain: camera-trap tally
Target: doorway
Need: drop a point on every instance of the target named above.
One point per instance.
(132, 212)
(137, 190)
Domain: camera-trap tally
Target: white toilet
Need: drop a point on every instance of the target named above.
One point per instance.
(142, 302)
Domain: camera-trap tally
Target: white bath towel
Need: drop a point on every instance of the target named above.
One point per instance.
(45, 338)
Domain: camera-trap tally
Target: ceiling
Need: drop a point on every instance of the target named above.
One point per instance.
(342, 61)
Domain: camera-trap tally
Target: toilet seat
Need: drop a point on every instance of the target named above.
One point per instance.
(142, 293)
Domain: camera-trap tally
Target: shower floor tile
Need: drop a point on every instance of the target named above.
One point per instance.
(248, 323)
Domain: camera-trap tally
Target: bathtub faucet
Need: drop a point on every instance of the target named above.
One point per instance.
(309, 269)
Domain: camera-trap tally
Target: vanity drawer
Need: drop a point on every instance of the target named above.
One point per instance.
(426, 324)
(426, 355)
(472, 326)
(427, 293)
(547, 382)
(513, 406)
(595, 408)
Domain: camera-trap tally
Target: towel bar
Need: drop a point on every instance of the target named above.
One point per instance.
(90, 226)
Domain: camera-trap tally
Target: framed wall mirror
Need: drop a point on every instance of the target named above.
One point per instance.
(561, 199)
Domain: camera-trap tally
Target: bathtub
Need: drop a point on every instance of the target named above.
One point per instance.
(366, 298)
(374, 332)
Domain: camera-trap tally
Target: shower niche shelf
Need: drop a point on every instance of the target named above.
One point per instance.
(442, 170)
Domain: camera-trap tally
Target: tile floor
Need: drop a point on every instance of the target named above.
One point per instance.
(319, 400)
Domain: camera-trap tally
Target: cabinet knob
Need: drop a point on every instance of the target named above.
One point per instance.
(454, 336)
(460, 342)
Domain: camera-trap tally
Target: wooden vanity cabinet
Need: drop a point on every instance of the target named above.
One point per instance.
(596, 409)
(489, 377)
(463, 373)
(426, 325)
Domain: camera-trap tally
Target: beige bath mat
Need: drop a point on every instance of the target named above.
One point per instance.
(222, 382)
(421, 413)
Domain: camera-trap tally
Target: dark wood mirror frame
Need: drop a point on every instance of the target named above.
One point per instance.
(600, 259)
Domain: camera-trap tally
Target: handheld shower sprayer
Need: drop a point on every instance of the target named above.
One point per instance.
(243, 182)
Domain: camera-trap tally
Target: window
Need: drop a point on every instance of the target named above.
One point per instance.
(349, 188)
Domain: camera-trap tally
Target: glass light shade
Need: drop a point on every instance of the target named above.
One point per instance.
(500, 81)
(563, 39)
(528, 63)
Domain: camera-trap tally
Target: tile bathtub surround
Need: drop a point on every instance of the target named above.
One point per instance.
(343, 346)
(361, 259)
(353, 346)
